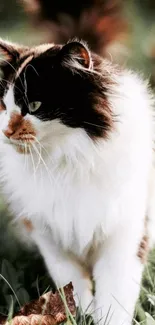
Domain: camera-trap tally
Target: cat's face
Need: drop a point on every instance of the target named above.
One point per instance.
(49, 91)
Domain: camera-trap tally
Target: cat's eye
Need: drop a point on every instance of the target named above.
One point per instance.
(34, 106)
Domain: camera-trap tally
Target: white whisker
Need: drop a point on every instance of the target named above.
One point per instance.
(30, 65)
(41, 158)
(25, 89)
(33, 163)
(25, 82)
(10, 83)
(41, 145)
(25, 155)
(97, 125)
(13, 69)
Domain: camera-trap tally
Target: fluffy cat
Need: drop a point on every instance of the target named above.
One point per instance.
(76, 142)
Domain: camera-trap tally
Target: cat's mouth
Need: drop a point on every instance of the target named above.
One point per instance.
(23, 144)
(22, 140)
(20, 132)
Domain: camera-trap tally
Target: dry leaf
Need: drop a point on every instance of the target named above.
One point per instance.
(49, 309)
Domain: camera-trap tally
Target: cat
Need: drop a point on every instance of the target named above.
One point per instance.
(76, 142)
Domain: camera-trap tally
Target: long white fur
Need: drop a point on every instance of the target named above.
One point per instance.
(85, 196)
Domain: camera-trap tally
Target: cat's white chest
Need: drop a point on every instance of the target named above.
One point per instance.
(70, 208)
(73, 205)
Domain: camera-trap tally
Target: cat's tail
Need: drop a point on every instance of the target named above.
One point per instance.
(99, 22)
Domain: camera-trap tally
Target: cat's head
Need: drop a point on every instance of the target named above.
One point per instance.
(50, 90)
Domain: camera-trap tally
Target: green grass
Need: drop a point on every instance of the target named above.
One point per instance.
(146, 303)
(21, 271)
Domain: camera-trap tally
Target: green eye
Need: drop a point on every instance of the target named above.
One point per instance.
(34, 106)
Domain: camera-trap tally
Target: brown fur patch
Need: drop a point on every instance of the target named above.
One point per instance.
(28, 224)
(23, 65)
(19, 128)
(84, 269)
(144, 245)
(2, 106)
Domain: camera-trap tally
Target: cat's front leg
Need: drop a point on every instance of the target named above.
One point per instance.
(117, 274)
(64, 269)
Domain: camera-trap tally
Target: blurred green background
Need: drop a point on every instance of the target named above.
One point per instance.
(22, 273)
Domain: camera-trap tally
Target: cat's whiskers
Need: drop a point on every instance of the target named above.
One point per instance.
(39, 163)
(25, 83)
(41, 158)
(26, 102)
(93, 124)
(6, 61)
(25, 88)
(10, 83)
(33, 163)
(25, 155)
(30, 65)
(51, 177)
(41, 145)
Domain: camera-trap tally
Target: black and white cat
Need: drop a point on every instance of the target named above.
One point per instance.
(76, 155)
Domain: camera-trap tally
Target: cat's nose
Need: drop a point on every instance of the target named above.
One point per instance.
(13, 125)
(8, 132)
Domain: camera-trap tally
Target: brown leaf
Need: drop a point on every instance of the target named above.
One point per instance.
(33, 320)
(49, 309)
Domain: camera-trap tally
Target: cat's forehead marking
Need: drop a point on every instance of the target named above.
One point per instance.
(23, 65)
(43, 48)
(35, 52)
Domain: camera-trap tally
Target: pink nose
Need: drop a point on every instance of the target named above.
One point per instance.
(18, 127)
(8, 132)
(13, 125)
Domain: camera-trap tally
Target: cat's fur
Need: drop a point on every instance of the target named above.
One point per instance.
(83, 179)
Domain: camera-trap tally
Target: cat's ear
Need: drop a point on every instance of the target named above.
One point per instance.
(76, 52)
(9, 57)
(11, 51)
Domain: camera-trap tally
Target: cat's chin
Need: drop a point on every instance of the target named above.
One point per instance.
(23, 147)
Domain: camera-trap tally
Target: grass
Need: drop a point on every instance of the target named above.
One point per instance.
(22, 273)
(146, 303)
(23, 276)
